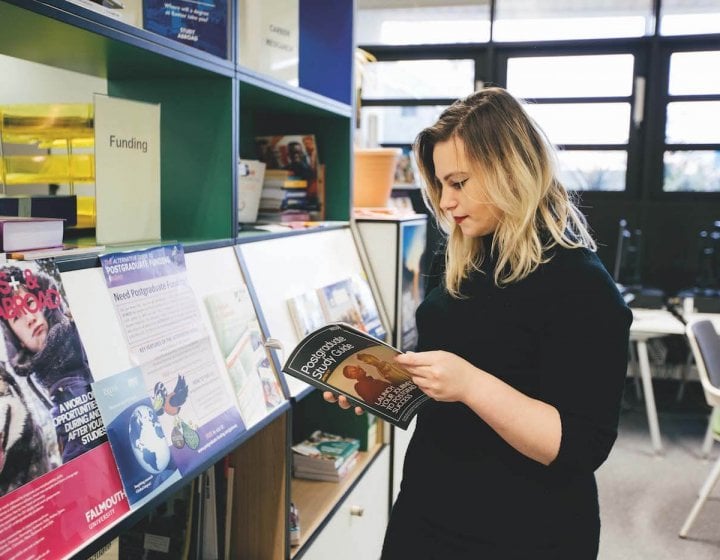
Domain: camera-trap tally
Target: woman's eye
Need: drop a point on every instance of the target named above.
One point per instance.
(458, 184)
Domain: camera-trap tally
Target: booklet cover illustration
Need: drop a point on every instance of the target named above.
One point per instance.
(344, 360)
(136, 436)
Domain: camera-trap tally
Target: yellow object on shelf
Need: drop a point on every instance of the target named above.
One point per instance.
(86, 213)
(47, 143)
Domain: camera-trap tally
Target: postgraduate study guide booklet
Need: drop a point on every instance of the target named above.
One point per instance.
(347, 361)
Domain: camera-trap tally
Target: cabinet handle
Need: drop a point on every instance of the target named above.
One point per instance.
(357, 511)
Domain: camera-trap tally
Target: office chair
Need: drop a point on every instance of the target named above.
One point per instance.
(705, 345)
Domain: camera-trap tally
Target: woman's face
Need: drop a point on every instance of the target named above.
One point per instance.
(463, 198)
(30, 328)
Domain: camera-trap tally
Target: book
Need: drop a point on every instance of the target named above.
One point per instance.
(228, 509)
(294, 525)
(21, 233)
(210, 518)
(66, 250)
(323, 453)
(296, 153)
(306, 313)
(339, 304)
(329, 476)
(347, 361)
(251, 174)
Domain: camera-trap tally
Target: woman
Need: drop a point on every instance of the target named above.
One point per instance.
(522, 347)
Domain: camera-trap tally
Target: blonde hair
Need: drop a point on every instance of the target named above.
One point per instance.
(517, 164)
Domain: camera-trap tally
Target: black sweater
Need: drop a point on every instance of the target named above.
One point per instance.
(561, 336)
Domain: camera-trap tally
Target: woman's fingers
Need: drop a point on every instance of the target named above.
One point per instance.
(342, 402)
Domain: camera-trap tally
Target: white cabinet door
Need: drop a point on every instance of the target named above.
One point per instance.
(357, 528)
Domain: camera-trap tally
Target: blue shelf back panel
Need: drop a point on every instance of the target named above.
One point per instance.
(326, 46)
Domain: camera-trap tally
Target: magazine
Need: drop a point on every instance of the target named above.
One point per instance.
(59, 486)
(344, 360)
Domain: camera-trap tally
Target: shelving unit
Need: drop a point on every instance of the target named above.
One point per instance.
(211, 110)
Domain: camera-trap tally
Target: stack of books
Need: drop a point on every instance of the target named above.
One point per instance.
(284, 196)
(291, 189)
(325, 456)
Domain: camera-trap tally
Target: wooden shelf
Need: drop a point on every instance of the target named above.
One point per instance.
(316, 500)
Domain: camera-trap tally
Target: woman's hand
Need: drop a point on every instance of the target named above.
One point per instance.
(441, 375)
(342, 402)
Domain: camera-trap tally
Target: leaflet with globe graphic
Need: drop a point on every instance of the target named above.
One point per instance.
(136, 436)
(186, 381)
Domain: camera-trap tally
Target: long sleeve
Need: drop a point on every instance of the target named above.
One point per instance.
(585, 356)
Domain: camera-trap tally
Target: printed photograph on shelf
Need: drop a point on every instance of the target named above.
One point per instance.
(136, 436)
(52, 435)
(348, 361)
(203, 25)
(411, 288)
(306, 313)
(238, 334)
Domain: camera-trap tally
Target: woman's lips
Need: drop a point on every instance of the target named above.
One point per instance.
(459, 219)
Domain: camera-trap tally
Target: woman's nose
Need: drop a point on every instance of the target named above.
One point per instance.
(447, 199)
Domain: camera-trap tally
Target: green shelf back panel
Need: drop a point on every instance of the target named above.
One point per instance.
(197, 159)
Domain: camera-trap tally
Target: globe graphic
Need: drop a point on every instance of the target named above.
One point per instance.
(148, 440)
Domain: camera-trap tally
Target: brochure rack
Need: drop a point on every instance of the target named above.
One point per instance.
(212, 109)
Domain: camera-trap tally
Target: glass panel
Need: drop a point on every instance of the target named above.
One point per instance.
(395, 125)
(408, 79)
(697, 171)
(583, 123)
(456, 21)
(593, 170)
(689, 17)
(520, 20)
(572, 76)
(689, 75)
(693, 122)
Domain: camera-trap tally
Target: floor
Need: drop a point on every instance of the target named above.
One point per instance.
(644, 498)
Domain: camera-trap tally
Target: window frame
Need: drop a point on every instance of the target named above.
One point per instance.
(646, 142)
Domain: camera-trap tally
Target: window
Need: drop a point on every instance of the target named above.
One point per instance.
(433, 22)
(585, 110)
(691, 155)
(398, 99)
(520, 20)
(689, 17)
(408, 79)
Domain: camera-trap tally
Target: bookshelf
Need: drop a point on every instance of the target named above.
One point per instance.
(212, 108)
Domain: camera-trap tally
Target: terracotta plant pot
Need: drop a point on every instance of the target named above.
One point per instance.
(374, 176)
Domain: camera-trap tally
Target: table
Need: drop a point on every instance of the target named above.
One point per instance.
(655, 323)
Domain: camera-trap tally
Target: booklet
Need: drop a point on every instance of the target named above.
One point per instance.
(347, 361)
